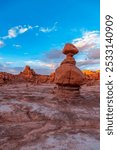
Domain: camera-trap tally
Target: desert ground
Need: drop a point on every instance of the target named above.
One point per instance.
(43, 117)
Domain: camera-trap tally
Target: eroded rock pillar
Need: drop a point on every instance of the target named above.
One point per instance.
(67, 75)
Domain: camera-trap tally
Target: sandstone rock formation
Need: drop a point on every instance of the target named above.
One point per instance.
(68, 74)
(28, 72)
(1, 81)
(52, 77)
(41, 79)
(6, 77)
(91, 75)
(67, 68)
(35, 118)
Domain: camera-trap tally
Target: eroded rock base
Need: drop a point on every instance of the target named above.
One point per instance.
(37, 118)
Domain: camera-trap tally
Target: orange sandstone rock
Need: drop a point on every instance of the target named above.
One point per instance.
(28, 72)
(52, 77)
(92, 75)
(68, 74)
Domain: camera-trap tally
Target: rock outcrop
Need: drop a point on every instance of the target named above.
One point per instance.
(35, 118)
(68, 74)
(28, 72)
(6, 77)
(41, 79)
(91, 75)
(52, 77)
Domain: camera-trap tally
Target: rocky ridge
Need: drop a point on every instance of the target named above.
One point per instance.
(30, 76)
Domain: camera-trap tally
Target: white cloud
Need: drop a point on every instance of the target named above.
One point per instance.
(21, 29)
(9, 62)
(89, 40)
(17, 45)
(89, 46)
(7, 68)
(1, 43)
(11, 33)
(47, 29)
(38, 63)
(25, 28)
(15, 31)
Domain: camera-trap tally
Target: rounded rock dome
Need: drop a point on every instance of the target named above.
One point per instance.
(70, 48)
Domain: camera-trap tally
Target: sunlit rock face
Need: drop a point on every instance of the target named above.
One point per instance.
(28, 72)
(68, 74)
(92, 75)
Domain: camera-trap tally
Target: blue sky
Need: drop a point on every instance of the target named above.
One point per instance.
(33, 32)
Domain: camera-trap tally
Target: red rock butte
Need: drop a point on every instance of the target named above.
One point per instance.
(68, 74)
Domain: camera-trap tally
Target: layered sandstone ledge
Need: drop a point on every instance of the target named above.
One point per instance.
(35, 117)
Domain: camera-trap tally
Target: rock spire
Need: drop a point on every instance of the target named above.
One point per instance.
(67, 74)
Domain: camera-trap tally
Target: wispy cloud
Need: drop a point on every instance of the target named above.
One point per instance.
(89, 45)
(88, 57)
(47, 29)
(17, 70)
(21, 29)
(15, 31)
(9, 63)
(38, 63)
(42, 67)
(17, 45)
(1, 43)
(89, 40)
(8, 68)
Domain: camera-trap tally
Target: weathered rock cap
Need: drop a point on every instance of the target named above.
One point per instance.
(70, 48)
(27, 67)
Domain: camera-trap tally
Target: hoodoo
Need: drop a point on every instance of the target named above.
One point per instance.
(28, 72)
(68, 75)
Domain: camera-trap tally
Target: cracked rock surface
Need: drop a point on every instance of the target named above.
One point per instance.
(38, 117)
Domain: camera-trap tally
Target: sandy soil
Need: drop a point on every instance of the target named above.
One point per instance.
(41, 117)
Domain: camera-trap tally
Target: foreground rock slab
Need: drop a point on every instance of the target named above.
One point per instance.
(38, 118)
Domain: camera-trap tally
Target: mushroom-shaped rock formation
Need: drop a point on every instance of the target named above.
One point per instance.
(68, 75)
(70, 48)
